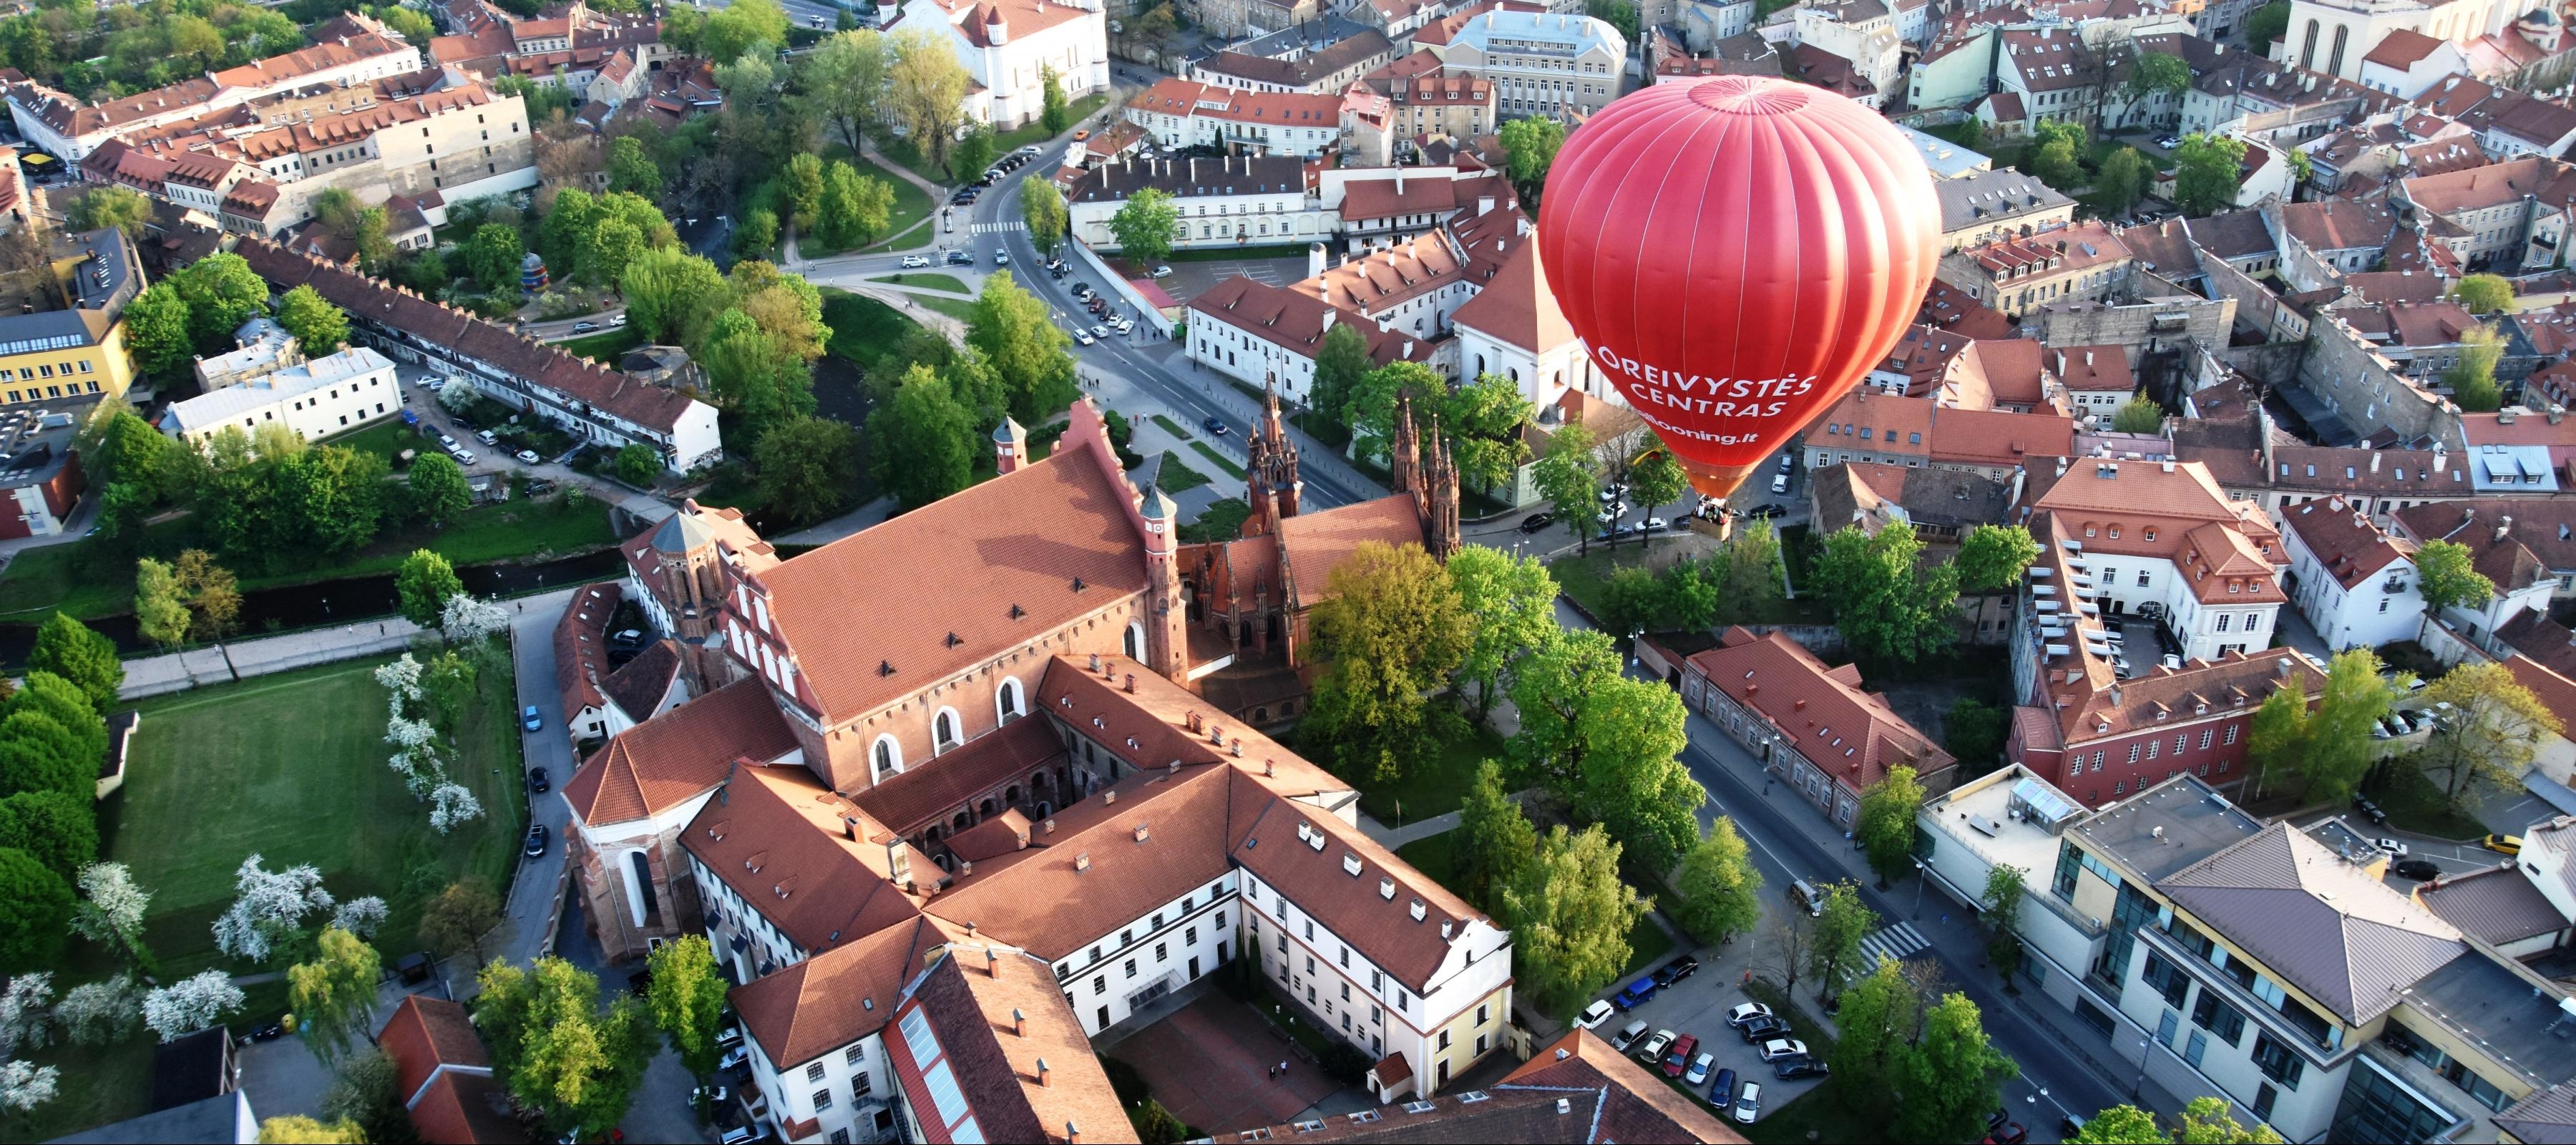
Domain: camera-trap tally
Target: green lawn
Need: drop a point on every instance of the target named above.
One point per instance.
(960, 309)
(1431, 787)
(88, 579)
(1434, 856)
(1222, 521)
(1171, 427)
(1218, 459)
(1647, 944)
(862, 327)
(290, 767)
(1585, 578)
(604, 346)
(1034, 131)
(1172, 476)
(911, 204)
(386, 440)
(923, 280)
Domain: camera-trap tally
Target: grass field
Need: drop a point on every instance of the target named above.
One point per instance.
(1217, 459)
(960, 309)
(1433, 786)
(1222, 521)
(911, 203)
(604, 346)
(923, 280)
(1173, 476)
(863, 328)
(289, 767)
(87, 579)
(1170, 426)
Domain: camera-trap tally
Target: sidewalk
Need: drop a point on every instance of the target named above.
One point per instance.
(180, 671)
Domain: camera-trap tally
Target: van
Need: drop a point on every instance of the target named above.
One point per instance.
(1806, 895)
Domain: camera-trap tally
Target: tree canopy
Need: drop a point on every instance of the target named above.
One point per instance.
(1569, 914)
(1392, 627)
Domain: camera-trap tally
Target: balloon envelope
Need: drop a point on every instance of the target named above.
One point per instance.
(1735, 253)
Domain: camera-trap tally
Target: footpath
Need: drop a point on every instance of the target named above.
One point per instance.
(215, 664)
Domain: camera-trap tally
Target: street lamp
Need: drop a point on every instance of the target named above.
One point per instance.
(1920, 877)
(2137, 1087)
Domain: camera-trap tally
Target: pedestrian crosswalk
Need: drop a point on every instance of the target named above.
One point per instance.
(1898, 942)
(999, 228)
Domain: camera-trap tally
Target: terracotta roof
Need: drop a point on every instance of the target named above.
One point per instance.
(2383, 286)
(2515, 556)
(1390, 276)
(425, 1033)
(1053, 542)
(1516, 307)
(466, 1109)
(2000, 437)
(1318, 542)
(994, 1019)
(1954, 310)
(1637, 1106)
(920, 796)
(2234, 682)
(2340, 224)
(682, 754)
(1370, 908)
(1395, 195)
(783, 842)
(1307, 67)
(2499, 905)
(696, 524)
(1992, 372)
(1159, 716)
(2402, 49)
(2344, 541)
(637, 687)
(2493, 185)
(1821, 712)
(1922, 356)
(2536, 639)
(2234, 236)
(1238, 105)
(2059, 251)
(581, 646)
(1295, 320)
(1861, 493)
(2093, 368)
(836, 997)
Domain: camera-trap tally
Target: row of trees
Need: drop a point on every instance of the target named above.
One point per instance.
(1891, 604)
(936, 404)
(1742, 580)
(53, 733)
(96, 55)
(267, 499)
(2488, 727)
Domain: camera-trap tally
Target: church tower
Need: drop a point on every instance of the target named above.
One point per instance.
(1404, 453)
(1440, 499)
(1165, 613)
(1280, 453)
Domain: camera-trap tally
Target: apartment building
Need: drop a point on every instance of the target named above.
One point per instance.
(2504, 216)
(2162, 534)
(1983, 206)
(314, 399)
(1182, 113)
(2084, 262)
(1328, 69)
(1422, 98)
(1263, 335)
(1811, 725)
(1258, 200)
(2353, 582)
(1540, 63)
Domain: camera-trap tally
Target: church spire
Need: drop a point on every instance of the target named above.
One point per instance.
(1404, 452)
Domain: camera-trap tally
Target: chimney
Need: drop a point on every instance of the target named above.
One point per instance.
(1108, 797)
(850, 827)
(1131, 683)
(2504, 525)
(1020, 1028)
(1044, 1082)
(992, 963)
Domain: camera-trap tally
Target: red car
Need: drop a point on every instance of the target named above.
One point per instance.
(1678, 1058)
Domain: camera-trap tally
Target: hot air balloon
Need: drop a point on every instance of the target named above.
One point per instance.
(1735, 253)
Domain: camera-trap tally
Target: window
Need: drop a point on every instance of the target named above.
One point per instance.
(1160, 954)
(2204, 739)
(1131, 967)
(2134, 749)
(1483, 1013)
(2231, 733)
(2152, 745)
(2223, 619)
(2142, 578)
(814, 1072)
(822, 1100)
(2222, 1020)
(1444, 1039)
(2278, 1061)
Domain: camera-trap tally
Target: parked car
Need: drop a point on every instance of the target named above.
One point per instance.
(616, 320)
(446, 442)
(1748, 1104)
(1162, 272)
(2396, 849)
(1537, 521)
(1788, 463)
(1722, 1090)
(1778, 1048)
(538, 784)
(1653, 1050)
(915, 261)
(1779, 483)
(1593, 1016)
(738, 1058)
(1678, 1057)
(2008, 1133)
(2168, 142)
(584, 327)
(528, 457)
(1628, 1035)
(710, 1096)
(1216, 427)
(1083, 337)
(487, 437)
(464, 456)
(2502, 844)
(1699, 1067)
(1676, 970)
(1747, 1012)
(529, 719)
(2369, 810)
(739, 1135)
(1100, 330)
(1792, 1069)
(1762, 1029)
(1766, 511)
(2420, 870)
(538, 839)
(1635, 994)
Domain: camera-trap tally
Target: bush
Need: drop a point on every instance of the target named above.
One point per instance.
(1344, 1063)
(1125, 1081)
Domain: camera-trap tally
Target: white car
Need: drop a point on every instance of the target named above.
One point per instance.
(1779, 482)
(446, 442)
(617, 321)
(1162, 272)
(2395, 849)
(1748, 1104)
(1699, 1069)
(1628, 1035)
(1653, 1050)
(1746, 1013)
(527, 457)
(1122, 326)
(1001, 258)
(915, 261)
(1593, 1016)
(1100, 331)
(1778, 1048)
(1084, 337)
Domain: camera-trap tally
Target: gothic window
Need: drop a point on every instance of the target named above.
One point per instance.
(943, 730)
(1136, 642)
(2308, 47)
(1007, 705)
(2334, 62)
(888, 757)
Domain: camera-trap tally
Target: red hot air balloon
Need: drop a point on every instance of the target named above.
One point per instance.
(1735, 253)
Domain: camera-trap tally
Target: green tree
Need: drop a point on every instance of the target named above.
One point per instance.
(2267, 24)
(2339, 743)
(1632, 778)
(1529, 149)
(757, 235)
(1569, 915)
(1632, 601)
(1833, 952)
(800, 191)
(222, 293)
(573, 1063)
(39, 752)
(632, 171)
(456, 919)
(806, 467)
(2492, 730)
(2484, 293)
(1719, 890)
(732, 31)
(2057, 163)
(673, 296)
(2206, 173)
(1690, 595)
(921, 442)
(1042, 207)
(1375, 402)
(1511, 607)
(2276, 742)
(492, 256)
(638, 464)
(1391, 627)
(974, 152)
(925, 87)
(2005, 890)
(687, 997)
(87, 660)
(1972, 731)
(423, 584)
(1885, 828)
(1029, 354)
(159, 612)
(334, 496)
(1494, 838)
(438, 489)
(612, 245)
(320, 326)
(2472, 377)
(111, 206)
(2447, 577)
(1568, 475)
(2208, 1121)
(844, 81)
(57, 828)
(334, 995)
(35, 907)
(1887, 605)
(1953, 1077)
(367, 1090)
(157, 331)
(1657, 481)
(1876, 1020)
(2153, 73)
(2140, 414)
(1144, 226)
(1619, 14)
(297, 1129)
(376, 252)
(1750, 573)
(2122, 1124)
(1056, 114)
(2124, 177)
(1341, 360)
(1550, 689)
(1992, 557)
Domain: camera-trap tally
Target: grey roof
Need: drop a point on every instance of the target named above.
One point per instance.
(2196, 822)
(2316, 921)
(682, 533)
(1190, 177)
(1988, 198)
(2498, 905)
(215, 1119)
(2505, 1010)
(2234, 235)
(2544, 1118)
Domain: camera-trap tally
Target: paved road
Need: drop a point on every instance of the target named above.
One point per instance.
(532, 890)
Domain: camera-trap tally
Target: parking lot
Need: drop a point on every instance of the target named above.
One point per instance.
(1190, 279)
(1698, 1005)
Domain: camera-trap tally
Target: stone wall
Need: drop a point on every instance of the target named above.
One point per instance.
(2161, 315)
(2344, 371)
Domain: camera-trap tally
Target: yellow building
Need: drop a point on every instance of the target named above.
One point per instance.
(62, 354)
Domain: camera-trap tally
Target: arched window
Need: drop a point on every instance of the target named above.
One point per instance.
(887, 757)
(943, 730)
(1007, 703)
(2308, 47)
(2334, 62)
(1136, 642)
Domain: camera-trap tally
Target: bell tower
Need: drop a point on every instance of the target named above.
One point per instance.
(1165, 613)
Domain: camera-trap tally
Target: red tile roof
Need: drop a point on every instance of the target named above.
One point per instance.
(1639, 1107)
(784, 842)
(1821, 712)
(2093, 368)
(836, 997)
(466, 1109)
(919, 797)
(1319, 542)
(581, 646)
(2000, 437)
(1516, 307)
(682, 754)
(425, 1033)
(995, 1015)
(2344, 541)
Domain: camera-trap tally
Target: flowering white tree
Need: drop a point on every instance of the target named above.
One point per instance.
(99, 1013)
(185, 1007)
(271, 906)
(452, 806)
(465, 620)
(26, 1016)
(111, 907)
(360, 916)
(26, 1085)
(402, 679)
